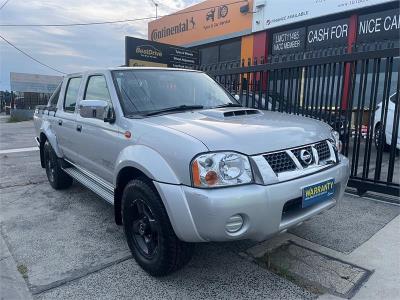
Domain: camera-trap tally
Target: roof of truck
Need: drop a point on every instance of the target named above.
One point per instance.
(131, 68)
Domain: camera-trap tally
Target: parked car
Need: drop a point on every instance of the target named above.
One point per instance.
(386, 137)
(183, 162)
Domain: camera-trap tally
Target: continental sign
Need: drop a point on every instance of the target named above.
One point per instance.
(144, 53)
(208, 21)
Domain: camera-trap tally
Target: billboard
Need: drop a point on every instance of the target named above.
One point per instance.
(328, 35)
(379, 26)
(273, 13)
(208, 21)
(144, 53)
(287, 42)
(35, 83)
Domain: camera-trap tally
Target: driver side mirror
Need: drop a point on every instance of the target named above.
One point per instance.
(97, 109)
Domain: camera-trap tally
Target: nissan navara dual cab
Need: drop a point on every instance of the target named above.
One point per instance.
(183, 162)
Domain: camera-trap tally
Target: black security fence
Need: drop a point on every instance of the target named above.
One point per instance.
(356, 93)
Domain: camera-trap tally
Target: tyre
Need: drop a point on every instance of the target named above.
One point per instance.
(57, 177)
(148, 231)
(377, 133)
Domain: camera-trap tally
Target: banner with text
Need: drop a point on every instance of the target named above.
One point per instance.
(144, 53)
(274, 13)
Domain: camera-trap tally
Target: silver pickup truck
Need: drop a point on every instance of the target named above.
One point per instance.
(183, 162)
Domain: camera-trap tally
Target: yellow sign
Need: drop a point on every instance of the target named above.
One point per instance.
(319, 189)
(142, 63)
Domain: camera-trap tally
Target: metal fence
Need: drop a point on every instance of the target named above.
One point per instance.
(27, 100)
(353, 92)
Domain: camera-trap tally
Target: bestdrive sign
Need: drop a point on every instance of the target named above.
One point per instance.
(144, 53)
(208, 21)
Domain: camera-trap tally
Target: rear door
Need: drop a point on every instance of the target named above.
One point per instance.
(65, 118)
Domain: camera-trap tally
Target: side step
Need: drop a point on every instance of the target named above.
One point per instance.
(92, 182)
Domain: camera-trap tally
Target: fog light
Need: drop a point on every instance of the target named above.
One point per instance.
(234, 224)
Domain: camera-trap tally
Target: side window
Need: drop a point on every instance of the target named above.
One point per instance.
(71, 94)
(96, 89)
(54, 98)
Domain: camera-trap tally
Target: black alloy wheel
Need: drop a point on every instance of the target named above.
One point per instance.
(145, 229)
(148, 230)
(51, 163)
(58, 179)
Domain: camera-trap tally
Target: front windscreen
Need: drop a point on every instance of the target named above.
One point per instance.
(144, 91)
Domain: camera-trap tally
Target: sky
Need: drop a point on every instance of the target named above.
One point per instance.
(72, 49)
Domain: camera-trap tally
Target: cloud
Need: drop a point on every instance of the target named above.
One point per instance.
(72, 49)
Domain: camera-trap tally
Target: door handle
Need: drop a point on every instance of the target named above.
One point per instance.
(79, 128)
(60, 122)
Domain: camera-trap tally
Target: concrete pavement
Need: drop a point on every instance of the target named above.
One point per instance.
(380, 254)
(65, 245)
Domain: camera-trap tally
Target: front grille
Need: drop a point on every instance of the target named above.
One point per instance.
(323, 150)
(280, 162)
(297, 152)
(283, 161)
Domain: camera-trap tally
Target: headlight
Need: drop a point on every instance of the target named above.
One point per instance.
(336, 139)
(221, 169)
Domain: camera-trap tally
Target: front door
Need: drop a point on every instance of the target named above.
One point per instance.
(99, 141)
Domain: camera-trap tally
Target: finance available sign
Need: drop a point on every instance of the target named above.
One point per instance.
(273, 13)
(371, 28)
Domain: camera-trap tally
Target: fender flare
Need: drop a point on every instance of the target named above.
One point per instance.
(51, 137)
(148, 161)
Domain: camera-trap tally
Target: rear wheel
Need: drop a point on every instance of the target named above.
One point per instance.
(57, 177)
(148, 230)
(377, 138)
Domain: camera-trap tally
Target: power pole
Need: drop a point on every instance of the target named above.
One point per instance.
(156, 5)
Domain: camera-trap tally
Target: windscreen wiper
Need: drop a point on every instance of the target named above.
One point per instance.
(229, 105)
(174, 108)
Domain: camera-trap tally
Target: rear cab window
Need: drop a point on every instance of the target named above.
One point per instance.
(52, 104)
(71, 94)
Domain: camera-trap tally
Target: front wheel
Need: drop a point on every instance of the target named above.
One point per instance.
(377, 138)
(148, 231)
(58, 179)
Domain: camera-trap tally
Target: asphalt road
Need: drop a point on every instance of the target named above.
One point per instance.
(66, 245)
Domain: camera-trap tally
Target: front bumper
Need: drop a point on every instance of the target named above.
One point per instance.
(200, 215)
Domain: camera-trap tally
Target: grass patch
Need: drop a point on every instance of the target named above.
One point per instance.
(13, 120)
(23, 270)
(276, 261)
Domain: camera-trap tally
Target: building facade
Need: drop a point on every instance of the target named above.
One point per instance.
(225, 31)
